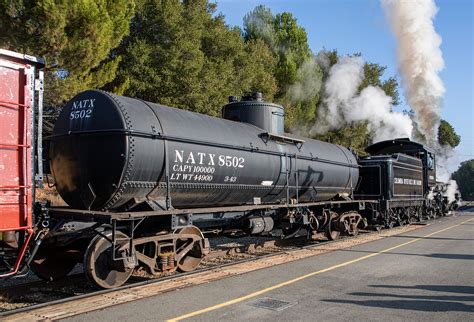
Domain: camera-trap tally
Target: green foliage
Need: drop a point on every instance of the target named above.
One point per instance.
(75, 38)
(373, 74)
(287, 40)
(180, 54)
(298, 77)
(464, 177)
(301, 75)
(293, 49)
(302, 98)
(354, 135)
(447, 135)
(259, 24)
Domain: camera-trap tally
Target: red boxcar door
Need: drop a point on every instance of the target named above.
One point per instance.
(16, 140)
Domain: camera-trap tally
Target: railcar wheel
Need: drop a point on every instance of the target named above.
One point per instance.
(52, 264)
(99, 265)
(390, 224)
(411, 216)
(331, 233)
(419, 214)
(189, 248)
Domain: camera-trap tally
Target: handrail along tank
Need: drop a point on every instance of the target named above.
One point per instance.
(110, 152)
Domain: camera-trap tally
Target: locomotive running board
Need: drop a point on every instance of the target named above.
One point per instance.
(108, 216)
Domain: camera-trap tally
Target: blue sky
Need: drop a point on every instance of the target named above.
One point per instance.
(352, 26)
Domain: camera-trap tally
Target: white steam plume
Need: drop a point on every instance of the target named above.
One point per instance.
(452, 190)
(344, 105)
(419, 58)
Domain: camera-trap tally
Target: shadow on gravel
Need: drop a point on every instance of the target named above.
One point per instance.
(426, 303)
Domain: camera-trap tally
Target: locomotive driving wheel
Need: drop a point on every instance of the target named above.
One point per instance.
(51, 264)
(100, 267)
(190, 248)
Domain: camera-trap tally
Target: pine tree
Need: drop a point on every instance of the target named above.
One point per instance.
(298, 77)
(447, 135)
(75, 38)
(181, 54)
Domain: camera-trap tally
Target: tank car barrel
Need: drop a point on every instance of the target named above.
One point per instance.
(113, 152)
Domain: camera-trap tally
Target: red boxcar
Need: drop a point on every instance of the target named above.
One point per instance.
(20, 106)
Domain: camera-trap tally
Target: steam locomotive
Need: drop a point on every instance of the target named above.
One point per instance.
(146, 184)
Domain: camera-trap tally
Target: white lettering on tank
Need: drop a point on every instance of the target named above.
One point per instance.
(211, 159)
(201, 157)
(195, 166)
(190, 158)
(82, 109)
(179, 156)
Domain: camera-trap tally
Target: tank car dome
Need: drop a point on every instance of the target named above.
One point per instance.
(254, 110)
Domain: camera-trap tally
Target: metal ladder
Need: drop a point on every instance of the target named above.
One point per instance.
(22, 147)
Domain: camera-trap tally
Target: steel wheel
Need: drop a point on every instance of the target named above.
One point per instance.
(99, 265)
(189, 249)
(331, 233)
(419, 214)
(51, 264)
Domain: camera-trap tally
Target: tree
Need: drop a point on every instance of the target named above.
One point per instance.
(181, 54)
(293, 49)
(259, 24)
(373, 74)
(447, 135)
(287, 40)
(298, 76)
(464, 177)
(303, 97)
(75, 38)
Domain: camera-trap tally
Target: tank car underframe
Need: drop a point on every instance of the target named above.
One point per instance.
(175, 244)
(107, 217)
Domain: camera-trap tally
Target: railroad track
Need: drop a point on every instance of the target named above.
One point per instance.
(21, 292)
(243, 259)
